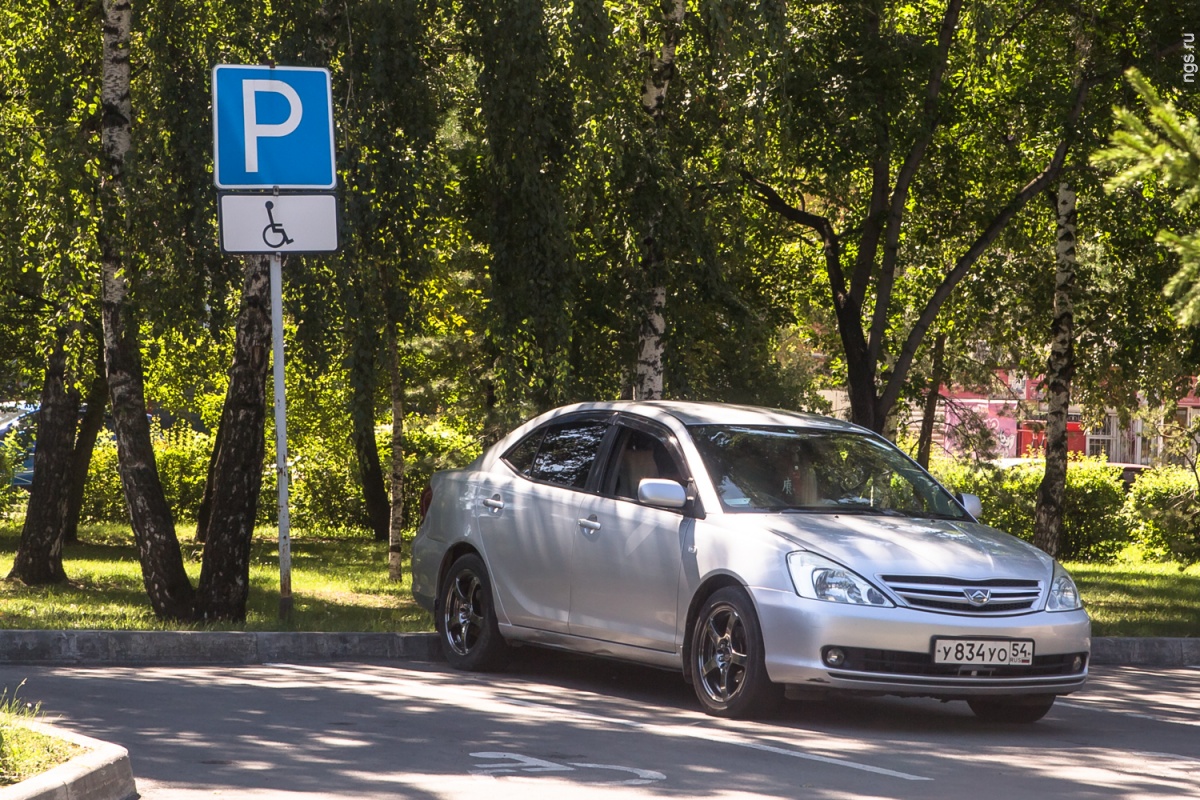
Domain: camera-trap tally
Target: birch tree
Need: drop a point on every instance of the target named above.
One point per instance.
(1048, 512)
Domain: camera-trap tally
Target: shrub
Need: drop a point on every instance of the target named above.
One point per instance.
(326, 490)
(1162, 512)
(182, 455)
(1094, 529)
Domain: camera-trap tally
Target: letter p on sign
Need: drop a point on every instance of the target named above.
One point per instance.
(272, 127)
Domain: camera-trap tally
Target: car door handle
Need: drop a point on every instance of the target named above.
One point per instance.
(590, 524)
(495, 502)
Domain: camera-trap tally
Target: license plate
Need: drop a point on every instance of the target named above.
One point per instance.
(983, 652)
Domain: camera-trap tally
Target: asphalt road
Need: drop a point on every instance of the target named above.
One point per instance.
(558, 726)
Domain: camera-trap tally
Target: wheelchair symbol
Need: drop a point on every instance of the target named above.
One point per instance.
(274, 234)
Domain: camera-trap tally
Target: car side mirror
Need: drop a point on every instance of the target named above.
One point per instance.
(661, 493)
(971, 503)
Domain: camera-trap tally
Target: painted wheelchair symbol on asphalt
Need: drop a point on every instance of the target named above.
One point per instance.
(514, 764)
(274, 235)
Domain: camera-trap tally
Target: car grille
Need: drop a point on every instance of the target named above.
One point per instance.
(991, 597)
(895, 662)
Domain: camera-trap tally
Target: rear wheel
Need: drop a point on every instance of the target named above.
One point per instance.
(728, 671)
(466, 618)
(1018, 710)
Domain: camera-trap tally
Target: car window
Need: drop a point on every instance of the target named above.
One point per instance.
(786, 469)
(639, 455)
(520, 457)
(567, 452)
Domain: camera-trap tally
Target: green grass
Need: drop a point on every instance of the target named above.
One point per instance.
(24, 752)
(1133, 597)
(339, 583)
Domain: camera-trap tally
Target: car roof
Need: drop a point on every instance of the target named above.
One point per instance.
(701, 413)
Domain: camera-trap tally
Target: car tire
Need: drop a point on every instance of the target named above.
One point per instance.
(1015, 710)
(465, 617)
(728, 672)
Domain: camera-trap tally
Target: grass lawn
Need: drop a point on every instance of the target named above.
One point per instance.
(24, 752)
(339, 583)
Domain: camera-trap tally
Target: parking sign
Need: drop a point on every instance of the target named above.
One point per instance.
(272, 127)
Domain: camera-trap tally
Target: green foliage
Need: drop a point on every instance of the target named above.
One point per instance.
(1094, 527)
(1163, 514)
(1165, 149)
(182, 455)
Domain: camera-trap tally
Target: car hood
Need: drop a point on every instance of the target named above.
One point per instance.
(877, 545)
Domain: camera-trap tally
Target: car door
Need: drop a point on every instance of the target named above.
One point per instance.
(526, 513)
(626, 560)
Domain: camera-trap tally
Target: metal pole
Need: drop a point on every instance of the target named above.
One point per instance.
(281, 471)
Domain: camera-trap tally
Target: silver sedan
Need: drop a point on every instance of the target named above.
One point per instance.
(760, 552)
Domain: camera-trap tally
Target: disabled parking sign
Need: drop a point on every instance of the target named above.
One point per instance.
(272, 128)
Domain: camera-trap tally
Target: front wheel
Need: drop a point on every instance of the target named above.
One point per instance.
(729, 675)
(466, 618)
(1016, 710)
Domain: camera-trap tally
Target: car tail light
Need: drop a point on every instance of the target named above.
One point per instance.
(426, 500)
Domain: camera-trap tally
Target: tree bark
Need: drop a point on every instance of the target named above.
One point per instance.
(396, 528)
(166, 582)
(39, 556)
(650, 357)
(648, 378)
(85, 444)
(925, 441)
(362, 418)
(238, 462)
(1048, 513)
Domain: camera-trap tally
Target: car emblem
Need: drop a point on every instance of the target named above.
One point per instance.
(978, 597)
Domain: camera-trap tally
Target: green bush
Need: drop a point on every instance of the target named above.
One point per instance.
(1094, 529)
(1161, 510)
(325, 490)
(182, 455)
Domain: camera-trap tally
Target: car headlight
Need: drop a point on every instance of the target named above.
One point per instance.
(1064, 595)
(818, 578)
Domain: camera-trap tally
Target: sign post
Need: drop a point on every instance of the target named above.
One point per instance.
(273, 131)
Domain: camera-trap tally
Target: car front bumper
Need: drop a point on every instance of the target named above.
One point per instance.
(889, 650)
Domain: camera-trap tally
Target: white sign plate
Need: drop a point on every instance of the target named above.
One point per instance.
(278, 223)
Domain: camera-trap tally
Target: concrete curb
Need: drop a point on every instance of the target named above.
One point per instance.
(102, 773)
(237, 647)
(1150, 652)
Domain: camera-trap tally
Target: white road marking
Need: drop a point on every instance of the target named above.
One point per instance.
(1152, 717)
(474, 698)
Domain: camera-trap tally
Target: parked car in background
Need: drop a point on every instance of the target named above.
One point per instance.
(757, 551)
(1129, 471)
(18, 429)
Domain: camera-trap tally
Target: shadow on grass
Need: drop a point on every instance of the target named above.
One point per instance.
(338, 584)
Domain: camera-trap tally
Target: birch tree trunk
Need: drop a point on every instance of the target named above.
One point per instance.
(39, 556)
(396, 527)
(1048, 514)
(163, 574)
(648, 379)
(236, 467)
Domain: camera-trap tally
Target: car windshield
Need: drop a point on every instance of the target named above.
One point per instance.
(780, 469)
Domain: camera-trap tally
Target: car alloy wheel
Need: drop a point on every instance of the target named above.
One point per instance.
(729, 676)
(470, 638)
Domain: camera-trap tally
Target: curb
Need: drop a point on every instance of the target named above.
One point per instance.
(1150, 652)
(102, 773)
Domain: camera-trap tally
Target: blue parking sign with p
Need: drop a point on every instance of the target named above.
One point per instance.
(272, 127)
